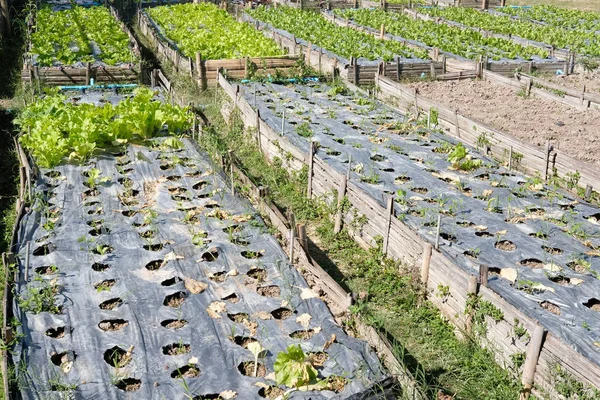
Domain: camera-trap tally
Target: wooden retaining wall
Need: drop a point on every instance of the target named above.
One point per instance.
(206, 70)
(544, 350)
(68, 75)
(453, 61)
(526, 158)
(353, 71)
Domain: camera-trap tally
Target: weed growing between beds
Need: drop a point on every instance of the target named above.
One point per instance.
(391, 302)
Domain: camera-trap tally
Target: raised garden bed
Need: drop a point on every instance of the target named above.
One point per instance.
(516, 226)
(140, 272)
(76, 45)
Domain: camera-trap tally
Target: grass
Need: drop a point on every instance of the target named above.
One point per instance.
(585, 5)
(392, 302)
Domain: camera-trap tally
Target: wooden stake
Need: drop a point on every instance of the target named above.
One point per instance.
(427, 249)
(483, 275)
(582, 97)
(547, 160)
(471, 289)
(437, 234)
(388, 222)
(153, 78)
(283, 122)
(301, 229)
(230, 153)
(382, 32)
(88, 73)
(258, 134)
(457, 127)
(510, 155)
(292, 222)
(27, 261)
(341, 194)
(531, 360)
(311, 160)
(588, 192)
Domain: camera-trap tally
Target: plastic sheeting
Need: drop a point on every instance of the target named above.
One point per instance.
(539, 237)
(159, 270)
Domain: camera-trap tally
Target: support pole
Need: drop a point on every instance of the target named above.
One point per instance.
(427, 250)
(311, 160)
(483, 275)
(437, 233)
(531, 360)
(388, 222)
(588, 192)
(341, 194)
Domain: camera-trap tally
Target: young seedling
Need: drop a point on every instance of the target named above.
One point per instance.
(256, 349)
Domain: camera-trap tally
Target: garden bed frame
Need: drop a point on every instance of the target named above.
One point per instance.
(206, 70)
(543, 353)
(453, 61)
(68, 75)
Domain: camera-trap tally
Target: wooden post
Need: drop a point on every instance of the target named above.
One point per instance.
(528, 86)
(398, 72)
(263, 191)
(191, 66)
(531, 359)
(355, 5)
(510, 155)
(27, 261)
(311, 160)
(388, 222)
(201, 72)
(588, 192)
(341, 193)
(432, 70)
(471, 290)
(484, 5)
(582, 97)
(301, 230)
(153, 78)
(483, 275)
(292, 222)
(283, 122)
(457, 127)
(427, 249)
(230, 154)
(547, 159)
(246, 60)
(356, 72)
(308, 50)
(443, 64)
(88, 73)
(382, 32)
(437, 234)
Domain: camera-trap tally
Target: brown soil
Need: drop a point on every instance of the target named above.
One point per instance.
(337, 383)
(505, 245)
(319, 358)
(175, 349)
(111, 304)
(302, 334)
(174, 323)
(118, 357)
(113, 324)
(232, 298)
(580, 269)
(243, 341)
(531, 120)
(129, 384)
(187, 371)
(219, 277)
(48, 270)
(104, 285)
(239, 318)
(532, 263)
(271, 392)
(56, 333)
(269, 291)
(561, 280)
(258, 274)
(175, 299)
(247, 368)
(471, 254)
(553, 308)
(591, 80)
(593, 304)
(552, 250)
(282, 313)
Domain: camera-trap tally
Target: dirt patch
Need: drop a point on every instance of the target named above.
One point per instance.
(247, 369)
(505, 245)
(175, 349)
(118, 357)
(232, 298)
(174, 323)
(56, 333)
(591, 80)
(532, 263)
(258, 273)
(243, 341)
(318, 358)
(105, 285)
(531, 120)
(239, 317)
(111, 304)
(553, 308)
(303, 334)
(187, 371)
(113, 324)
(269, 291)
(129, 384)
(271, 392)
(282, 313)
(593, 304)
(175, 300)
(552, 250)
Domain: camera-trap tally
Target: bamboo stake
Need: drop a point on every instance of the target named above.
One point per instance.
(389, 214)
(311, 160)
(427, 250)
(437, 234)
(531, 360)
(341, 194)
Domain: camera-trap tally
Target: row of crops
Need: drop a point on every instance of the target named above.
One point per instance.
(556, 16)
(204, 28)
(343, 41)
(463, 42)
(582, 42)
(79, 34)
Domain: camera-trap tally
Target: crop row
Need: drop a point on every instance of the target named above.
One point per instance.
(343, 41)
(79, 34)
(212, 32)
(463, 42)
(557, 17)
(578, 41)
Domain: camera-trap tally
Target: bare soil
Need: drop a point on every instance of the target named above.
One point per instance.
(303, 334)
(247, 368)
(553, 308)
(591, 80)
(531, 120)
(113, 324)
(269, 291)
(271, 392)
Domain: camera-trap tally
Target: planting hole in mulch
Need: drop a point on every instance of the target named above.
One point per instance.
(484, 234)
(594, 218)
(149, 234)
(200, 185)
(117, 357)
(593, 304)
(561, 280)
(111, 325)
(125, 181)
(240, 241)
(271, 392)
(92, 203)
(173, 178)
(171, 281)
(419, 190)
(579, 267)
(100, 267)
(232, 298)
(243, 341)
(230, 230)
(95, 211)
(552, 250)
(187, 371)
(193, 174)
(128, 170)
(318, 358)
(505, 245)
(176, 349)
(211, 255)
(154, 247)
(251, 255)
(269, 291)
(337, 383)
(181, 197)
(539, 235)
(46, 270)
(465, 224)
(483, 177)
(387, 169)
(471, 254)
(100, 230)
(333, 153)
(258, 274)
(102, 249)
(129, 384)
(95, 223)
(175, 300)
(173, 323)
(105, 285)
(59, 359)
(91, 193)
(128, 213)
(537, 211)
(303, 334)
(247, 369)
(377, 157)
(154, 265)
(282, 313)
(239, 317)
(44, 249)
(52, 174)
(111, 304)
(402, 179)
(532, 263)
(177, 190)
(553, 308)
(56, 333)
(448, 237)
(219, 277)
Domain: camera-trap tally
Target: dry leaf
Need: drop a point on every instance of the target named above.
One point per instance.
(307, 293)
(262, 315)
(194, 286)
(329, 342)
(228, 395)
(233, 272)
(215, 308)
(304, 320)
(193, 360)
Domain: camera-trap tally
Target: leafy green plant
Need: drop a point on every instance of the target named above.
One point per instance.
(460, 158)
(40, 298)
(293, 369)
(304, 130)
